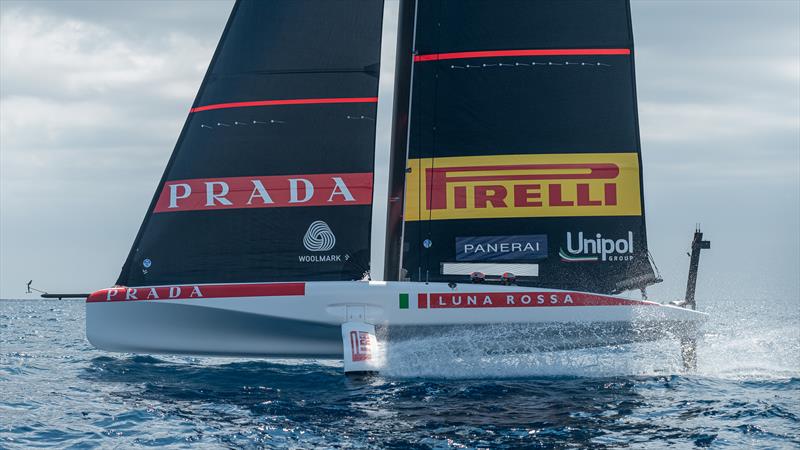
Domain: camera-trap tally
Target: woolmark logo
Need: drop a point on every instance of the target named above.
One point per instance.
(319, 237)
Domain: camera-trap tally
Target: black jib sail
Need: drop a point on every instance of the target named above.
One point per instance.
(271, 178)
(524, 152)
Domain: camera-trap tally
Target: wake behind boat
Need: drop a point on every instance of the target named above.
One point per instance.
(355, 171)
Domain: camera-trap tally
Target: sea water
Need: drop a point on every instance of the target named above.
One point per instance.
(56, 390)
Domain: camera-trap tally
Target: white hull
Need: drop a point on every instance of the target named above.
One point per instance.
(307, 321)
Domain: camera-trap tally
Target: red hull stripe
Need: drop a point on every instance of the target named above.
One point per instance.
(540, 52)
(296, 101)
(522, 300)
(183, 292)
(422, 301)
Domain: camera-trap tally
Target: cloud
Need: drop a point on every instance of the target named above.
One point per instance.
(92, 98)
(721, 72)
(73, 84)
(49, 57)
(676, 121)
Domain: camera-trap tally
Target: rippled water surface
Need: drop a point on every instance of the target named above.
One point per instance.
(56, 390)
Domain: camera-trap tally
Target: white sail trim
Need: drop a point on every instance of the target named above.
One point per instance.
(383, 138)
(520, 270)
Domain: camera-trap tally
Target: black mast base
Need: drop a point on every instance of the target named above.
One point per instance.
(698, 244)
(689, 345)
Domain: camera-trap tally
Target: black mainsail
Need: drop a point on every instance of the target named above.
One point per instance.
(271, 178)
(520, 135)
(523, 152)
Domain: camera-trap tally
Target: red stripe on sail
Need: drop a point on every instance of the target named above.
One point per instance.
(526, 299)
(538, 52)
(183, 292)
(296, 101)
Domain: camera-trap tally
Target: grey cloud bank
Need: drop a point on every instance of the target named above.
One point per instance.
(94, 94)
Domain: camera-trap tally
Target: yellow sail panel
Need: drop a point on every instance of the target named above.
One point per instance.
(513, 186)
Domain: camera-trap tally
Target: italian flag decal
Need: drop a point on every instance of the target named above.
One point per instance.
(403, 301)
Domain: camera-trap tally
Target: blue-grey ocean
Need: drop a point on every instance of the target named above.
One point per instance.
(58, 391)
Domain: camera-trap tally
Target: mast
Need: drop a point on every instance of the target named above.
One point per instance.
(384, 124)
(404, 81)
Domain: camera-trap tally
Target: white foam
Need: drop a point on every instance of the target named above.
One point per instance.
(742, 340)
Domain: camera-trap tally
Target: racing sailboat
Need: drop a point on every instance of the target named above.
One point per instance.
(361, 169)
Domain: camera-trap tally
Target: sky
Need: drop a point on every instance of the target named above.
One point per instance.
(94, 94)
